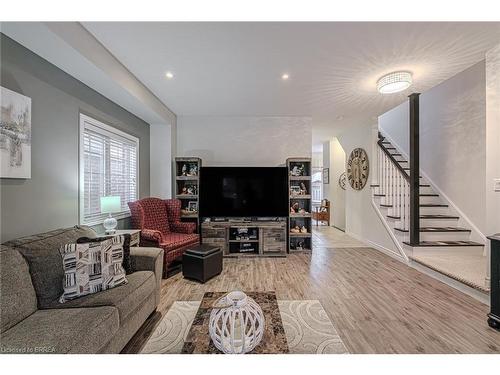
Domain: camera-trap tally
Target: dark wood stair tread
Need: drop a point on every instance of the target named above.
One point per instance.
(432, 205)
(422, 195)
(386, 205)
(437, 229)
(439, 217)
(444, 243)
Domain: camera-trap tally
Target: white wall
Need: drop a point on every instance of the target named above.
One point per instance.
(452, 139)
(492, 139)
(244, 141)
(160, 160)
(335, 159)
(362, 221)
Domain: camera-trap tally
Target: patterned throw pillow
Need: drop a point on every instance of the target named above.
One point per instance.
(92, 267)
(127, 264)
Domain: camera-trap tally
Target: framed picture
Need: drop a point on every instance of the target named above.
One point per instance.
(294, 190)
(326, 175)
(15, 135)
(193, 206)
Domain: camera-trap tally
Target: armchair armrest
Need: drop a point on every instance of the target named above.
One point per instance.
(151, 235)
(148, 259)
(180, 227)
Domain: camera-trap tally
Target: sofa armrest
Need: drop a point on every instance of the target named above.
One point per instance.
(180, 227)
(148, 259)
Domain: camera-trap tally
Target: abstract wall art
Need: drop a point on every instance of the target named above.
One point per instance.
(15, 135)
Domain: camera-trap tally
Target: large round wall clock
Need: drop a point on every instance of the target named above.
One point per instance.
(358, 168)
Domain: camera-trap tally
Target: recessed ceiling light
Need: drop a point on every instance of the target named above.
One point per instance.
(285, 76)
(394, 82)
(169, 75)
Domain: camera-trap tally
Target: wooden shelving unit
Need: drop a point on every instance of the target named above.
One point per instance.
(299, 187)
(187, 184)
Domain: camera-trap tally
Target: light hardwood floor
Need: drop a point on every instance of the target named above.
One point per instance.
(377, 304)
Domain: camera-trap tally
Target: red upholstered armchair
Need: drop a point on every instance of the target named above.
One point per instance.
(160, 225)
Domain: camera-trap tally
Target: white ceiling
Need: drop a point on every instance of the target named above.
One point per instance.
(235, 68)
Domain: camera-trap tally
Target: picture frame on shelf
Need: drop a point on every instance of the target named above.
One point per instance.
(326, 176)
(193, 206)
(295, 190)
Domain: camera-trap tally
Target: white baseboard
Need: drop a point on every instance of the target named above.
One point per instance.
(379, 247)
(474, 293)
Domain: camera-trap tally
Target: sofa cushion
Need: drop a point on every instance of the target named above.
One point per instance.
(45, 262)
(62, 331)
(173, 241)
(92, 267)
(126, 298)
(17, 295)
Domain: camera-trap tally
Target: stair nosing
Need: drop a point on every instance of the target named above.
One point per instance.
(445, 244)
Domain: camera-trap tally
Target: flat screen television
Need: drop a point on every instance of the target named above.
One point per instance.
(243, 192)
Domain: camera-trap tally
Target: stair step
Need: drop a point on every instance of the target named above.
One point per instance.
(437, 217)
(433, 205)
(437, 229)
(386, 205)
(396, 154)
(422, 195)
(444, 243)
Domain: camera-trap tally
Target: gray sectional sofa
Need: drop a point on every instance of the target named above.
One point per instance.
(33, 321)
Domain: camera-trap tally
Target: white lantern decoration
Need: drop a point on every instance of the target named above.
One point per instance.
(236, 323)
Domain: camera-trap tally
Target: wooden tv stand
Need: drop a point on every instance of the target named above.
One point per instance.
(262, 238)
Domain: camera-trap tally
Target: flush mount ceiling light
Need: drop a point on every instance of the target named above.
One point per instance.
(169, 75)
(394, 82)
(285, 76)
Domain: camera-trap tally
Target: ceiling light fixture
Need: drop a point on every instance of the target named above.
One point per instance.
(394, 82)
(285, 76)
(169, 75)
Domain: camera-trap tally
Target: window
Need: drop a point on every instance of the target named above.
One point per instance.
(109, 160)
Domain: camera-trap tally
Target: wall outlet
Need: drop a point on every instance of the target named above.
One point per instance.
(496, 184)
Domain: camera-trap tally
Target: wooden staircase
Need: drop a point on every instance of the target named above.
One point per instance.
(438, 224)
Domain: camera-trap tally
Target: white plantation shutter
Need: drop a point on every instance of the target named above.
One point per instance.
(108, 167)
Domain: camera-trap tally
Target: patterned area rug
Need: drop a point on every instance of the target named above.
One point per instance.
(307, 327)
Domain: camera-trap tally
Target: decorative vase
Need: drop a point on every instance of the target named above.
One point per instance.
(236, 323)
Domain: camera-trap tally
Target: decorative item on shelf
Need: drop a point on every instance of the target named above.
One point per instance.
(109, 205)
(300, 245)
(189, 170)
(236, 324)
(297, 170)
(294, 208)
(295, 190)
(303, 229)
(342, 181)
(326, 176)
(358, 168)
(189, 190)
(303, 189)
(303, 211)
(295, 229)
(193, 206)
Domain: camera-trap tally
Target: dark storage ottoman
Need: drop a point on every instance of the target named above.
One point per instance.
(202, 262)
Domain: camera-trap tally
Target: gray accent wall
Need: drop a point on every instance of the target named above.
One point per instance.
(50, 199)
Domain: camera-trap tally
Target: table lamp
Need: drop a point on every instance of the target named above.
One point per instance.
(108, 206)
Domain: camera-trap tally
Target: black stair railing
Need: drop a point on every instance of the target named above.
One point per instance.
(414, 169)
